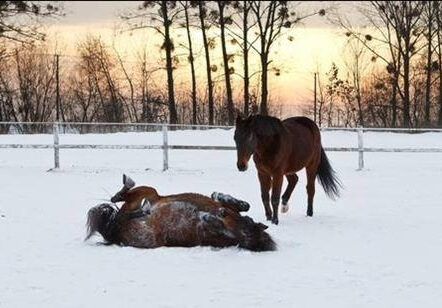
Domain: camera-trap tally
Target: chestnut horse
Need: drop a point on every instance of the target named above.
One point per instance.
(148, 220)
(282, 148)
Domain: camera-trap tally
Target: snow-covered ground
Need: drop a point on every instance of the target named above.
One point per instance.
(379, 245)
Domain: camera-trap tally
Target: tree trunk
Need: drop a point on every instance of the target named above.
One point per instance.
(173, 117)
(246, 60)
(264, 85)
(192, 66)
(439, 55)
(230, 107)
(427, 120)
(208, 66)
(393, 102)
(406, 98)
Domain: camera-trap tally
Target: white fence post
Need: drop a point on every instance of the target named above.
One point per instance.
(361, 147)
(165, 149)
(56, 146)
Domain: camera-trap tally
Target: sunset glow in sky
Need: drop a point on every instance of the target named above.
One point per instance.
(314, 47)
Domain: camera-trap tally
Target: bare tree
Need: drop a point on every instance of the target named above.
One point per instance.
(438, 63)
(20, 20)
(35, 77)
(187, 6)
(97, 68)
(271, 18)
(398, 26)
(429, 27)
(356, 65)
(224, 19)
(208, 44)
(165, 16)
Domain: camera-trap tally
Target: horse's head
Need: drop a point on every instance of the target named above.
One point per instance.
(128, 183)
(245, 140)
(99, 219)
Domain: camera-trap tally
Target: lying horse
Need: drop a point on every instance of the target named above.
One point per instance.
(148, 220)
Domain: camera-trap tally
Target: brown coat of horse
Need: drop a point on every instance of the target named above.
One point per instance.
(282, 148)
(149, 220)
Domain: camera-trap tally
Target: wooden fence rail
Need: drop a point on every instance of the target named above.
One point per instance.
(165, 146)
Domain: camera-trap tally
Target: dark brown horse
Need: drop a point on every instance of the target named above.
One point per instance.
(282, 148)
(149, 220)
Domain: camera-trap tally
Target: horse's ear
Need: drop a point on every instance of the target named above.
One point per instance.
(128, 182)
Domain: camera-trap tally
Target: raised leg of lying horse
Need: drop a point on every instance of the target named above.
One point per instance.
(311, 176)
(276, 195)
(292, 180)
(265, 182)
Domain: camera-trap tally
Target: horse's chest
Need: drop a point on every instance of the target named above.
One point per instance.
(273, 164)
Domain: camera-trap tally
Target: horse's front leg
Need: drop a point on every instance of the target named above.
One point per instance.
(265, 182)
(276, 194)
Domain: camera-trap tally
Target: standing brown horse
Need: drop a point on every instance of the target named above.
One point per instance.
(283, 148)
(148, 220)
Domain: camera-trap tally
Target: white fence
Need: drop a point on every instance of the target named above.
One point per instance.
(165, 146)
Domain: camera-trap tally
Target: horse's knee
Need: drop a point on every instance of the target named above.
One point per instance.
(275, 201)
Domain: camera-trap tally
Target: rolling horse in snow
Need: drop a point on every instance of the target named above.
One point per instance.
(282, 148)
(148, 220)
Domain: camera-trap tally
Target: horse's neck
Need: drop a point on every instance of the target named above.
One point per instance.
(269, 144)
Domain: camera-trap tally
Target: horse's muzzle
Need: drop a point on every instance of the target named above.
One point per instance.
(116, 198)
(241, 166)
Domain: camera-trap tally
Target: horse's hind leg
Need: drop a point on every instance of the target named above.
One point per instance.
(311, 176)
(265, 182)
(292, 180)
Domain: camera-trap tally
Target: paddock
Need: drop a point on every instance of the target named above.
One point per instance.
(379, 245)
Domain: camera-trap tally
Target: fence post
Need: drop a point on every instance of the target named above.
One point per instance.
(165, 149)
(56, 147)
(361, 147)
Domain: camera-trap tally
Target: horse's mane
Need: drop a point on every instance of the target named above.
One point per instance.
(265, 125)
(103, 219)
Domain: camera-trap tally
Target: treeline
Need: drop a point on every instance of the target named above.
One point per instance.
(394, 72)
(392, 76)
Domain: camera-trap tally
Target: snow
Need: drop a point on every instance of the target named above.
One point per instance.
(379, 245)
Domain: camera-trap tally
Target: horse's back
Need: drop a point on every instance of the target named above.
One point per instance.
(300, 122)
(304, 141)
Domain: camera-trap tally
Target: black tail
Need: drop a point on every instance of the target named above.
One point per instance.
(327, 177)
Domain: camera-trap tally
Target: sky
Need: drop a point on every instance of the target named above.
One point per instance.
(316, 42)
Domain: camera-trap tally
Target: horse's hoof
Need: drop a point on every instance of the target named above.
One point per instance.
(284, 208)
(310, 214)
(275, 221)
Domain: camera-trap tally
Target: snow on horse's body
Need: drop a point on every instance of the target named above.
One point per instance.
(149, 220)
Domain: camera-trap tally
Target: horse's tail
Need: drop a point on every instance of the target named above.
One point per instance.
(327, 177)
(254, 237)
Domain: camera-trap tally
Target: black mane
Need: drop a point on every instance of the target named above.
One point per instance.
(265, 125)
(103, 219)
